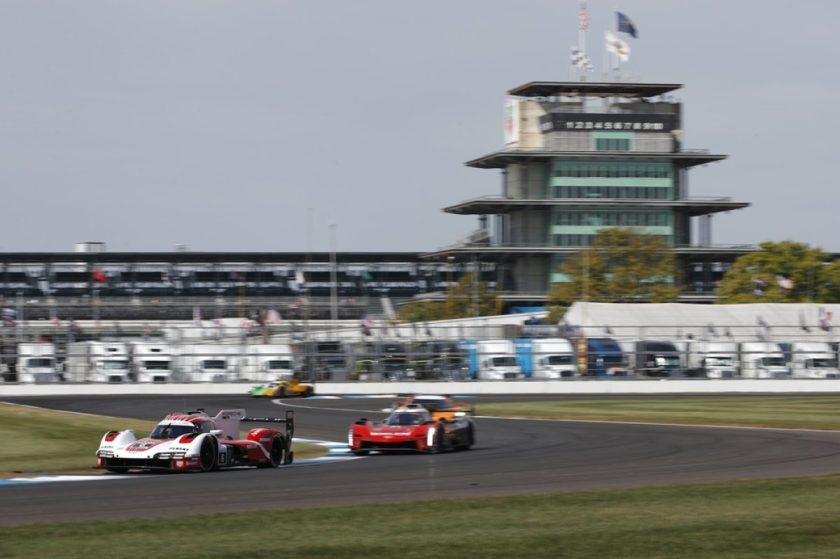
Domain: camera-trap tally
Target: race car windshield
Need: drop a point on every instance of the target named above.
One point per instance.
(430, 404)
(172, 431)
(404, 419)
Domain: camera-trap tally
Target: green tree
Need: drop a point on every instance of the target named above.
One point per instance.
(462, 300)
(783, 272)
(621, 265)
(422, 311)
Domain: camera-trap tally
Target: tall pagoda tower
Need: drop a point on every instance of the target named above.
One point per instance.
(579, 157)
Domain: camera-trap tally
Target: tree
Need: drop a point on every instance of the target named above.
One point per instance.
(422, 311)
(621, 265)
(783, 272)
(462, 300)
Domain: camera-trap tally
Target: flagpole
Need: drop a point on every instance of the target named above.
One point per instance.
(582, 25)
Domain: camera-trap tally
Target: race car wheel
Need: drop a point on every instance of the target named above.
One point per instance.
(275, 455)
(360, 452)
(440, 439)
(208, 454)
(469, 439)
(308, 392)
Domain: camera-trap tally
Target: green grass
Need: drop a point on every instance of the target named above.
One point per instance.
(793, 518)
(36, 440)
(801, 412)
(769, 519)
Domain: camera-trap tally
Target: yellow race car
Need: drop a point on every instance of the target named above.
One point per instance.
(285, 388)
(441, 407)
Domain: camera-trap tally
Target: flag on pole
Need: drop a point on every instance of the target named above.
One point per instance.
(580, 60)
(583, 17)
(272, 316)
(825, 319)
(626, 26)
(617, 47)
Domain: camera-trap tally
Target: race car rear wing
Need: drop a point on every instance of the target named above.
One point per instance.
(289, 421)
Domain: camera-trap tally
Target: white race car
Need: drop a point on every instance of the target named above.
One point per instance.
(194, 441)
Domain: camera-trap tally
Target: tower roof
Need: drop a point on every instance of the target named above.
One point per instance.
(593, 89)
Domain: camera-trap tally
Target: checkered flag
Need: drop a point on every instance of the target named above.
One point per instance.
(580, 60)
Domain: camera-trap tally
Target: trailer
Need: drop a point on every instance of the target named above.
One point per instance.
(654, 358)
(546, 358)
(95, 361)
(152, 361)
(601, 357)
(208, 362)
(492, 359)
(36, 363)
(762, 360)
(268, 362)
(813, 360)
(710, 359)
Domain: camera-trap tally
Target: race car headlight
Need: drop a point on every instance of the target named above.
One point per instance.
(105, 453)
(168, 455)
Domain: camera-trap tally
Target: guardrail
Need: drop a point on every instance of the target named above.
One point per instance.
(592, 387)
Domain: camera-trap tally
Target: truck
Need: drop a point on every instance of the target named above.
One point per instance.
(654, 358)
(209, 362)
(546, 358)
(36, 363)
(268, 362)
(152, 361)
(813, 360)
(492, 359)
(762, 360)
(712, 359)
(96, 361)
(601, 357)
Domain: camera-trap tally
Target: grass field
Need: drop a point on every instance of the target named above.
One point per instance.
(795, 518)
(769, 519)
(800, 412)
(39, 440)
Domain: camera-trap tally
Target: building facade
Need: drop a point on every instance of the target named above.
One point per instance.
(579, 157)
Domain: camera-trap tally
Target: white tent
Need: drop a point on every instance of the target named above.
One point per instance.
(772, 321)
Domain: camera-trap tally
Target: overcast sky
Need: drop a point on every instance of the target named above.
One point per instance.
(253, 125)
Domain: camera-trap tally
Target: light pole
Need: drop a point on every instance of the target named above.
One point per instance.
(476, 275)
(333, 280)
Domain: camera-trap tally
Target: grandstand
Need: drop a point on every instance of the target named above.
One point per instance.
(180, 285)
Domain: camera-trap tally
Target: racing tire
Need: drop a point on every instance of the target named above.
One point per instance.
(469, 440)
(440, 440)
(360, 452)
(308, 392)
(275, 455)
(208, 455)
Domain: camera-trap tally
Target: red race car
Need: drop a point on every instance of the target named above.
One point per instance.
(411, 428)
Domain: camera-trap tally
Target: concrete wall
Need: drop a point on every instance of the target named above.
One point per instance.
(603, 387)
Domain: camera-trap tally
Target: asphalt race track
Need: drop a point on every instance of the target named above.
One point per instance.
(510, 457)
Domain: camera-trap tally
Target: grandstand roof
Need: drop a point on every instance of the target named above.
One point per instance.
(193, 257)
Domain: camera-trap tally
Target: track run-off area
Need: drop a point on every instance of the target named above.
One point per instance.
(511, 456)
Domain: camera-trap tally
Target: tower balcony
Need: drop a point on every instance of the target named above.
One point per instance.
(495, 205)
